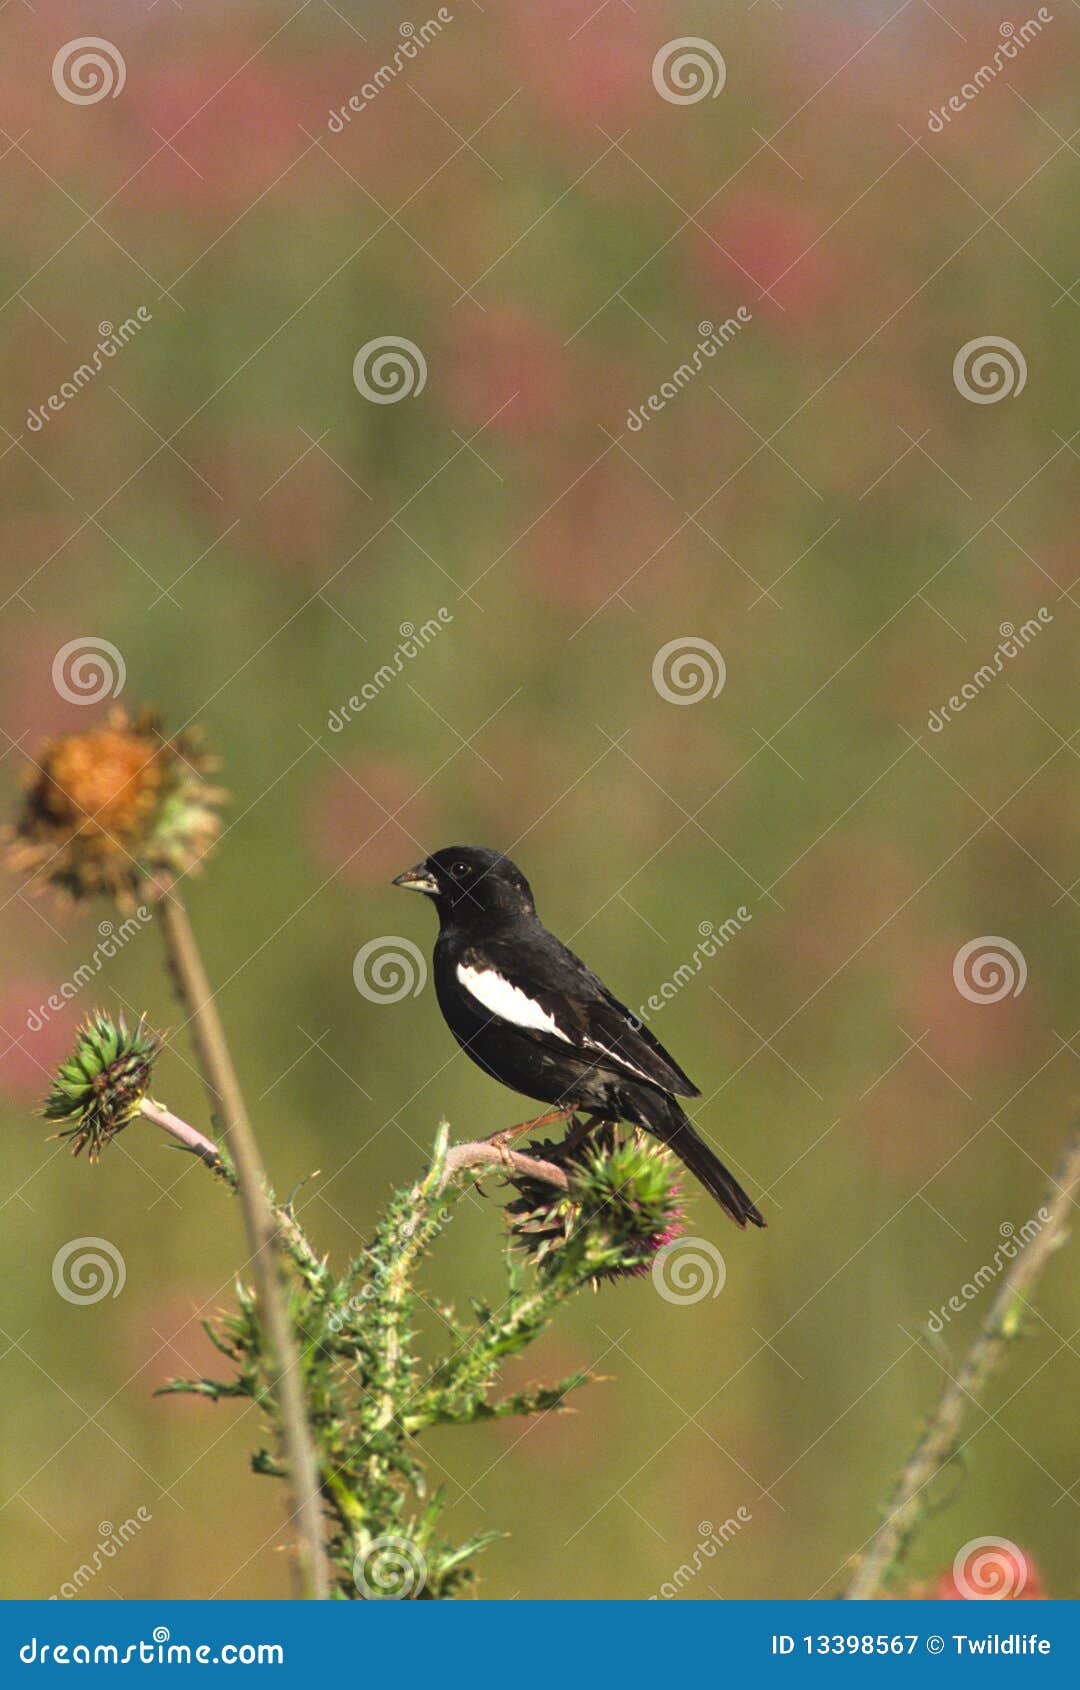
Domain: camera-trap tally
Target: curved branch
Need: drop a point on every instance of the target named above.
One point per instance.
(209, 1154)
(939, 1441)
(484, 1153)
(190, 1137)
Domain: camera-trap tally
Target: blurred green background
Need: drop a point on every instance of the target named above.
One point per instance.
(821, 503)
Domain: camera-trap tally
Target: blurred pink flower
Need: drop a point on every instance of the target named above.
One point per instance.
(312, 520)
(758, 241)
(304, 515)
(966, 1035)
(584, 67)
(27, 1058)
(507, 370)
(610, 529)
(234, 134)
(350, 829)
(30, 706)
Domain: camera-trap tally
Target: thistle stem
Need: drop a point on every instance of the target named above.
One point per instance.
(190, 1137)
(514, 1161)
(207, 1151)
(886, 1549)
(262, 1228)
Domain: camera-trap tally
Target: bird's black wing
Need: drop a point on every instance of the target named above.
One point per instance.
(588, 1017)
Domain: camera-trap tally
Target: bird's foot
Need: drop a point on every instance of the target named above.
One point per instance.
(502, 1140)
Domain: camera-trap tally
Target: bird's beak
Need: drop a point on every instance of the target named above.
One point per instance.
(416, 879)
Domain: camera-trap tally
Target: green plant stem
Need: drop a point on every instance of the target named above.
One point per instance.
(414, 1236)
(262, 1228)
(937, 1445)
(410, 1234)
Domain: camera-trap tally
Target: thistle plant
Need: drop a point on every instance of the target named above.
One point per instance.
(331, 1359)
(369, 1392)
(124, 811)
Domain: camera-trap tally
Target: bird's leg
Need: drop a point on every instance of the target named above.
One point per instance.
(502, 1139)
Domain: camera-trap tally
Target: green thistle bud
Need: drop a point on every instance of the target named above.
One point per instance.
(623, 1205)
(102, 1085)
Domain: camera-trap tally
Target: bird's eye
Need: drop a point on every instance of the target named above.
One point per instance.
(459, 870)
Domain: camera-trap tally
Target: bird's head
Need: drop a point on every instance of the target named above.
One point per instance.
(465, 880)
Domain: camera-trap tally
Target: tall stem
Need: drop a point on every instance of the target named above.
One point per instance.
(227, 1104)
(939, 1441)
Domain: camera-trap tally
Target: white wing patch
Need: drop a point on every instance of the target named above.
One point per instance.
(508, 1002)
(622, 1061)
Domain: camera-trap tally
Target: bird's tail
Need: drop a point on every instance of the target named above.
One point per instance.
(674, 1130)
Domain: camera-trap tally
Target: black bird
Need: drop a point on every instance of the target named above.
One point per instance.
(530, 1013)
